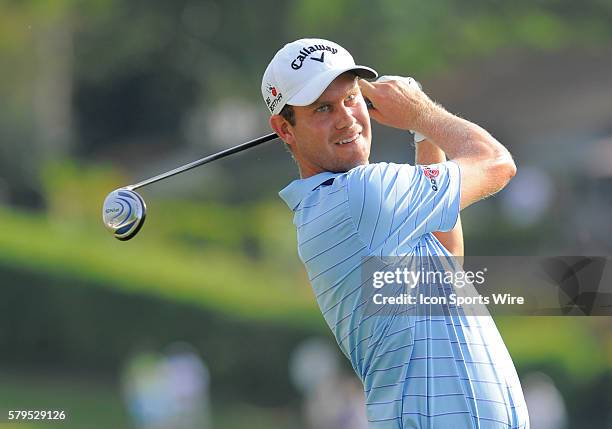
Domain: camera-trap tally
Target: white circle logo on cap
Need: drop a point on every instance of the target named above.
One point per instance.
(300, 72)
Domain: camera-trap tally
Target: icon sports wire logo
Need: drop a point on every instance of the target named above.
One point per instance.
(580, 279)
(431, 174)
(277, 96)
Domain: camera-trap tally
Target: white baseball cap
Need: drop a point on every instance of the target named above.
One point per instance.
(301, 70)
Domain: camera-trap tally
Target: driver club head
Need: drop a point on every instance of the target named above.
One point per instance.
(123, 213)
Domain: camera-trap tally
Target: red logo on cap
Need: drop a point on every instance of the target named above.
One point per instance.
(271, 89)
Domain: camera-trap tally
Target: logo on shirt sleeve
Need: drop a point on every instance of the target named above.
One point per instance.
(431, 174)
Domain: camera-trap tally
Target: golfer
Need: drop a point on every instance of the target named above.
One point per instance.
(432, 371)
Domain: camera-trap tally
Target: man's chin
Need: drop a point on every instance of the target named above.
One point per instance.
(349, 166)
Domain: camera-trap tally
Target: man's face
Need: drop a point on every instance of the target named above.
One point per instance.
(334, 133)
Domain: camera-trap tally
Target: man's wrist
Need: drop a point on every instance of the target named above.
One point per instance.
(428, 120)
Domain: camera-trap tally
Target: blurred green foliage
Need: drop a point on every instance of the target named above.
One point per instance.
(98, 405)
(430, 36)
(84, 405)
(220, 279)
(223, 276)
(239, 261)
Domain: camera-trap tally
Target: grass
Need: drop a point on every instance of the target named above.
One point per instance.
(96, 404)
(569, 342)
(215, 279)
(221, 280)
(87, 403)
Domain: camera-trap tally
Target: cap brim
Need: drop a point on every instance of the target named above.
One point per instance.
(313, 89)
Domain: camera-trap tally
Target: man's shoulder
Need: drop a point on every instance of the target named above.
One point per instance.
(376, 173)
(373, 167)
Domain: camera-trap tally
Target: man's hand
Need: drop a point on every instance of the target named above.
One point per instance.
(396, 103)
(486, 165)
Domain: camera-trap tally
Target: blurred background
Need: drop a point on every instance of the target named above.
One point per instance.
(206, 319)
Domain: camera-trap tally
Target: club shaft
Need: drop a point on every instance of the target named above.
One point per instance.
(205, 160)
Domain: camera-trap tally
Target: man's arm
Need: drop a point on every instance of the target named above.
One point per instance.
(486, 165)
(428, 153)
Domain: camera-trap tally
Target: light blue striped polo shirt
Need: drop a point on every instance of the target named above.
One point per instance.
(423, 371)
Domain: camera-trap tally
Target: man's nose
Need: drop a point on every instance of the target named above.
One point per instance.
(345, 118)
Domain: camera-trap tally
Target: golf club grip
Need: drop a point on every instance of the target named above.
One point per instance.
(205, 160)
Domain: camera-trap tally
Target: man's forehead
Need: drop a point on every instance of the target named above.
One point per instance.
(341, 86)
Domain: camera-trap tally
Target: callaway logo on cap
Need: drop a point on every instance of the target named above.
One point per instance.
(300, 72)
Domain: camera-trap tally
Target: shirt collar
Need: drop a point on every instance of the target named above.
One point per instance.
(296, 191)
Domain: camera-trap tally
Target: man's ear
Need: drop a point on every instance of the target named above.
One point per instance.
(283, 128)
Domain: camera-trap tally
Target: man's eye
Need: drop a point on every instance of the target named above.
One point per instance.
(324, 108)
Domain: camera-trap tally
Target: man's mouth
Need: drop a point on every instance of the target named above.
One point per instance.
(348, 140)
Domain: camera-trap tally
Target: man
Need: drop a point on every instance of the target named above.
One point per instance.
(421, 371)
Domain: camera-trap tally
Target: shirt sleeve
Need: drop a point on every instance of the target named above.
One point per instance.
(402, 202)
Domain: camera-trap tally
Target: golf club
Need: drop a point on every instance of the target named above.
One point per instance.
(124, 211)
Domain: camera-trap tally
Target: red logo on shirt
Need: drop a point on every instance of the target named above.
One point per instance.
(431, 174)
